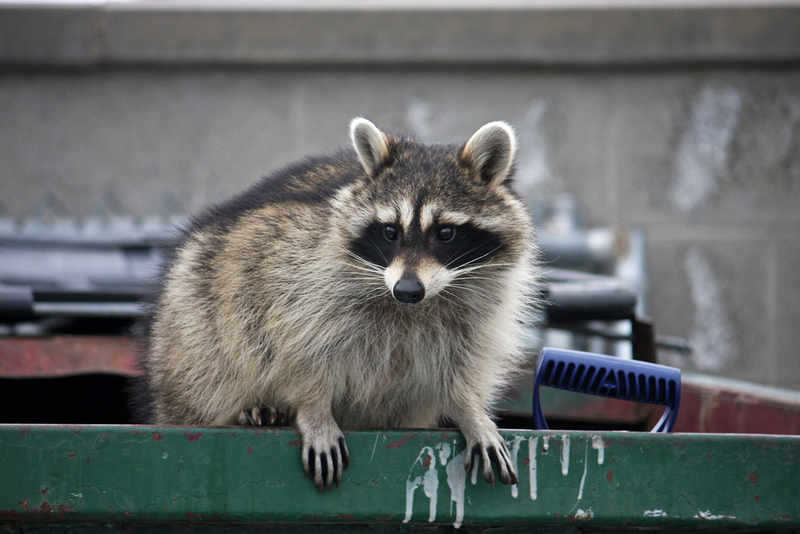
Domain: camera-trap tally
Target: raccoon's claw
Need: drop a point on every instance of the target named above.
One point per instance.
(494, 452)
(273, 417)
(261, 416)
(251, 417)
(324, 464)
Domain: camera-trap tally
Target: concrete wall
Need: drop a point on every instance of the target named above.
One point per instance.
(684, 121)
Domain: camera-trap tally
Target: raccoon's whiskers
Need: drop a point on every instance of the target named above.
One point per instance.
(367, 270)
(368, 265)
(479, 258)
(370, 275)
(475, 290)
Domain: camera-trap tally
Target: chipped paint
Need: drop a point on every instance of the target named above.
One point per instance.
(707, 515)
(193, 436)
(400, 442)
(655, 513)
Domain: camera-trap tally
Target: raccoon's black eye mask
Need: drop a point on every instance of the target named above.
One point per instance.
(453, 246)
(466, 245)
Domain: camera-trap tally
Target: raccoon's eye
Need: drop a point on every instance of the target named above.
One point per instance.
(446, 233)
(390, 232)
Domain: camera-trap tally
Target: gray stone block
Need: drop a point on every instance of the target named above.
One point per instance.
(48, 35)
(139, 136)
(263, 34)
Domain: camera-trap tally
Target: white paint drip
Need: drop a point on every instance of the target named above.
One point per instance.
(411, 487)
(514, 462)
(712, 334)
(583, 482)
(583, 478)
(457, 476)
(564, 454)
(476, 460)
(655, 513)
(457, 480)
(703, 150)
(426, 482)
(444, 452)
(533, 444)
(600, 447)
(430, 485)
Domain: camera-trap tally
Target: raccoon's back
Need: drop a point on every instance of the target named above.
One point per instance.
(311, 181)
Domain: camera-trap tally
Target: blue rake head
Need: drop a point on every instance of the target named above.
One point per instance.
(607, 376)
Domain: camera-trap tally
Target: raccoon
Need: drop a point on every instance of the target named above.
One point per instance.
(381, 287)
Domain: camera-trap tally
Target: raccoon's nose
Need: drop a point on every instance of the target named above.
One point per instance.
(409, 290)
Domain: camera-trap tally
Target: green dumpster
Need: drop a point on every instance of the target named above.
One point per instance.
(100, 478)
(128, 478)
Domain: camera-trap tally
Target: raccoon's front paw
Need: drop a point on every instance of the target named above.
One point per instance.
(325, 456)
(492, 449)
(261, 416)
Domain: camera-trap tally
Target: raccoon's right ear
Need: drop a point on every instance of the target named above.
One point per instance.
(491, 152)
(371, 144)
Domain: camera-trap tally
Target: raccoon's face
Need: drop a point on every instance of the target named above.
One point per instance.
(421, 252)
(432, 224)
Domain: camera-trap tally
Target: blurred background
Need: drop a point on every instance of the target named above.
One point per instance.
(664, 131)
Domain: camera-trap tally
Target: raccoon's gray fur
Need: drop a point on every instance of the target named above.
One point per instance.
(381, 287)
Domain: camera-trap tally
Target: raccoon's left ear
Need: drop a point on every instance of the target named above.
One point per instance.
(371, 144)
(491, 151)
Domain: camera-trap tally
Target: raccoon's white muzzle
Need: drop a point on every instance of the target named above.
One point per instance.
(414, 283)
